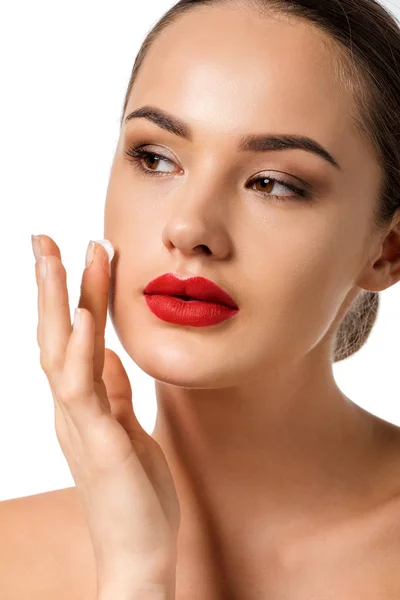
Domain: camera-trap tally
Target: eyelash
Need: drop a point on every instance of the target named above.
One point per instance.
(136, 155)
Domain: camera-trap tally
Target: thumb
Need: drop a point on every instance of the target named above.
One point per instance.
(119, 391)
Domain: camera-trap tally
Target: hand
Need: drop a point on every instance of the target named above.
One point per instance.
(120, 471)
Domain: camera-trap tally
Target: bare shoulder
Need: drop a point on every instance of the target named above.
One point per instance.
(45, 549)
(382, 523)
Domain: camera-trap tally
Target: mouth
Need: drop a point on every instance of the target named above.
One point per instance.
(192, 289)
(187, 298)
(184, 310)
(191, 299)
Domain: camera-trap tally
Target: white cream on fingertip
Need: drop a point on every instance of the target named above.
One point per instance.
(107, 245)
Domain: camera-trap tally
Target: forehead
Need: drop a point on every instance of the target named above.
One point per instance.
(225, 71)
(235, 64)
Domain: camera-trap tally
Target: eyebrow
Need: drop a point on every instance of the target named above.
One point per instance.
(250, 142)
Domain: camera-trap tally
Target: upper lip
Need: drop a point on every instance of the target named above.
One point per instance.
(193, 287)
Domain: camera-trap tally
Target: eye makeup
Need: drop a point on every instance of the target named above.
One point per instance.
(137, 155)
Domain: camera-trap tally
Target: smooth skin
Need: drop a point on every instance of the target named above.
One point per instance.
(288, 490)
(120, 472)
(284, 483)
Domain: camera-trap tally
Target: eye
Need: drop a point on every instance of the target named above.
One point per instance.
(137, 155)
(269, 183)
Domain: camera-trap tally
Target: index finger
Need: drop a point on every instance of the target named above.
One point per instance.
(94, 297)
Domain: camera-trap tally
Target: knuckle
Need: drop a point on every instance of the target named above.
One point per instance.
(68, 395)
(50, 364)
(71, 391)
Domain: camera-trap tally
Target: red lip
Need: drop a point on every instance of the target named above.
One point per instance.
(197, 288)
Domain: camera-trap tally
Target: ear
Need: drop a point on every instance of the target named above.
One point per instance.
(383, 267)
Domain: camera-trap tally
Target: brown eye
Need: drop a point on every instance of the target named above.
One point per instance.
(267, 184)
(138, 156)
(151, 158)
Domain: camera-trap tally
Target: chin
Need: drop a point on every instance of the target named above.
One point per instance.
(185, 369)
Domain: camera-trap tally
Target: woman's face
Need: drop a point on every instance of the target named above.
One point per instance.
(290, 262)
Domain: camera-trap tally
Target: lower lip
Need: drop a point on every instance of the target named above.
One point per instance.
(194, 313)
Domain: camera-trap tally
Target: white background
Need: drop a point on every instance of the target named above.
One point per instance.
(65, 68)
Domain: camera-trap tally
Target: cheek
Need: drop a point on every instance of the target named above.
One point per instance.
(130, 216)
(296, 285)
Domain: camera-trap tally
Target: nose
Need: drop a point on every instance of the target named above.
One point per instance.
(197, 225)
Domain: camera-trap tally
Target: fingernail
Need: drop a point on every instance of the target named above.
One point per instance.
(107, 245)
(35, 246)
(89, 254)
(77, 319)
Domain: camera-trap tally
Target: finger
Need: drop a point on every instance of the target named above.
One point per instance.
(76, 387)
(42, 244)
(119, 391)
(55, 316)
(39, 304)
(54, 313)
(94, 298)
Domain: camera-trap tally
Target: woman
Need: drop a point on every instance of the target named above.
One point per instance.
(258, 150)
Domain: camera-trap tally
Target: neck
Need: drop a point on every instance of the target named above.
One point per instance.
(285, 445)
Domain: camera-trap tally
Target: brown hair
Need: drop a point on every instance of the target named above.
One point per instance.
(366, 37)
